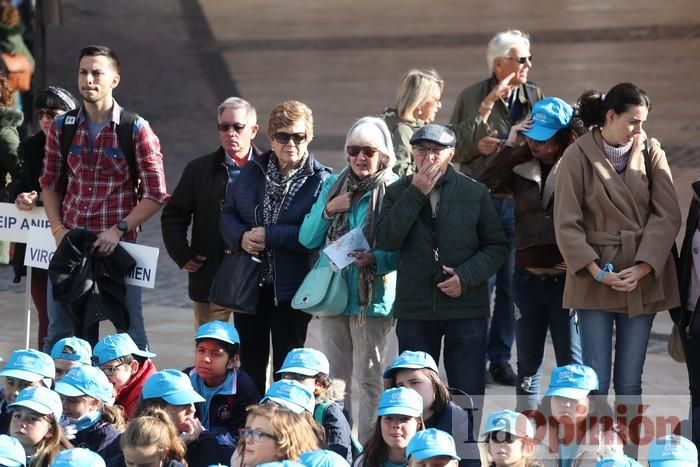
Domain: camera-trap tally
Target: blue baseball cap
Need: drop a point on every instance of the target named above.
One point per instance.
(39, 399)
(400, 401)
(77, 457)
(73, 349)
(411, 360)
(291, 395)
(307, 362)
(116, 346)
(173, 386)
(549, 115)
(431, 443)
(511, 422)
(86, 380)
(672, 451)
(30, 365)
(11, 452)
(323, 458)
(438, 134)
(618, 461)
(573, 381)
(218, 330)
(285, 463)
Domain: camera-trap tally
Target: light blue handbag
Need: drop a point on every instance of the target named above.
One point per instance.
(324, 292)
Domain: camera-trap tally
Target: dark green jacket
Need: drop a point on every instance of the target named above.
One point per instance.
(469, 238)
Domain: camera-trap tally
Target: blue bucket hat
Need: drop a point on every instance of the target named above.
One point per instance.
(549, 115)
(117, 346)
(672, 451)
(323, 458)
(30, 365)
(438, 134)
(400, 401)
(11, 452)
(73, 349)
(39, 399)
(617, 461)
(86, 380)
(291, 395)
(511, 422)
(307, 362)
(173, 386)
(218, 330)
(431, 443)
(411, 360)
(77, 457)
(573, 381)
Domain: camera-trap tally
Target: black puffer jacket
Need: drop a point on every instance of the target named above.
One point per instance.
(91, 287)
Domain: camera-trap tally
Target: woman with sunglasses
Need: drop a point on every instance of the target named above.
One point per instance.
(355, 340)
(417, 103)
(50, 103)
(261, 216)
(510, 440)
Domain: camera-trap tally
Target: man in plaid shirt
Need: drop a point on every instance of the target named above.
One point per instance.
(97, 192)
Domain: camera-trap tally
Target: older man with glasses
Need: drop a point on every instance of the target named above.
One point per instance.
(482, 118)
(197, 200)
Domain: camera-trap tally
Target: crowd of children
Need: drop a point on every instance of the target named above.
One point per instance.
(111, 407)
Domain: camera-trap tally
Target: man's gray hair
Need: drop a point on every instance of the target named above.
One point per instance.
(238, 103)
(503, 42)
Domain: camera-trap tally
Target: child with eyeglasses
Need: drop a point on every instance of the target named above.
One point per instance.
(126, 366)
(510, 440)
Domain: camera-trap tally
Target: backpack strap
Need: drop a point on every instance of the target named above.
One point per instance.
(68, 129)
(320, 412)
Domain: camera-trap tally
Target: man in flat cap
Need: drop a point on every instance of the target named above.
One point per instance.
(450, 241)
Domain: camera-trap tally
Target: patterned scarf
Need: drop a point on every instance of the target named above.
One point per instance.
(348, 182)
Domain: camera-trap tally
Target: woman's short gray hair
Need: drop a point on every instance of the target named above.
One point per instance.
(503, 42)
(238, 103)
(372, 131)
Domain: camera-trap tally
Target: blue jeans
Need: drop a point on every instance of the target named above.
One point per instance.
(539, 301)
(61, 324)
(465, 348)
(501, 332)
(631, 339)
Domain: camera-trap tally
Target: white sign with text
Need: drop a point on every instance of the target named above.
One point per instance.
(15, 224)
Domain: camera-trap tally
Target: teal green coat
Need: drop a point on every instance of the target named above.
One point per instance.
(313, 235)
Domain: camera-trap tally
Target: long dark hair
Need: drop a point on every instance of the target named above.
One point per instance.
(442, 394)
(375, 451)
(594, 105)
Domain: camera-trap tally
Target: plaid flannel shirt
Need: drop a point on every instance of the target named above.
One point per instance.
(99, 191)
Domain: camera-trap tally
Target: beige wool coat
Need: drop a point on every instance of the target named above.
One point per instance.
(603, 217)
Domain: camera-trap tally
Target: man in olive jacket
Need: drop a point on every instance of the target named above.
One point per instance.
(197, 200)
(450, 242)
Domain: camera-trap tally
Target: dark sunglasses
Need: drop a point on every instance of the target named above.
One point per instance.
(47, 113)
(502, 437)
(355, 151)
(283, 138)
(520, 60)
(231, 126)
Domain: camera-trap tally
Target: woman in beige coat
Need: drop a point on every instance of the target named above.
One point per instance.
(616, 216)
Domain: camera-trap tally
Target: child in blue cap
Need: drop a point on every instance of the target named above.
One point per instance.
(418, 371)
(323, 458)
(618, 461)
(673, 451)
(432, 448)
(11, 452)
(87, 397)
(35, 415)
(171, 391)
(78, 457)
(70, 352)
(510, 440)
(311, 368)
(399, 417)
(25, 368)
(227, 390)
(127, 367)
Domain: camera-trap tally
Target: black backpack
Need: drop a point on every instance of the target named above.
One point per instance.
(125, 136)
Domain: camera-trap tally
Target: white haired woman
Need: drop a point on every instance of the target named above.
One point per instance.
(351, 199)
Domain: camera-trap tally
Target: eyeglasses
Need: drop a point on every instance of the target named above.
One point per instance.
(51, 114)
(502, 437)
(426, 151)
(283, 138)
(534, 142)
(355, 151)
(255, 435)
(231, 126)
(109, 370)
(520, 60)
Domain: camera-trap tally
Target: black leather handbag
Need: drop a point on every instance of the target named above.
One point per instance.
(237, 283)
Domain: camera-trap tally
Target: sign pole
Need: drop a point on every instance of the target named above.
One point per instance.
(28, 304)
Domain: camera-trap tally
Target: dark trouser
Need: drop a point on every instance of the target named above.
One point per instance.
(502, 331)
(287, 327)
(39, 279)
(691, 347)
